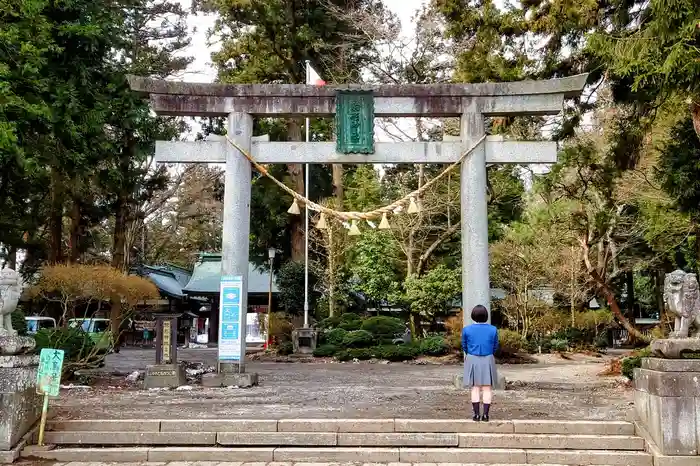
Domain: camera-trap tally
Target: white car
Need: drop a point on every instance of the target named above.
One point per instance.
(36, 323)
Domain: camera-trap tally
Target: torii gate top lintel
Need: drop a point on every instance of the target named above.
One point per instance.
(430, 100)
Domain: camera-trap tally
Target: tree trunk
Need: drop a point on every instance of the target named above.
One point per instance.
(76, 231)
(296, 175)
(56, 219)
(617, 312)
(695, 114)
(629, 284)
(338, 190)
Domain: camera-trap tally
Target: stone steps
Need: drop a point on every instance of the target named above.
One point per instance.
(345, 441)
(343, 455)
(319, 439)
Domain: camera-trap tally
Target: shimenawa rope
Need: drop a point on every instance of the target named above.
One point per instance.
(388, 209)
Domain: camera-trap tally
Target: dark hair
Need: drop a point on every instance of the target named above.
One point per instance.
(480, 314)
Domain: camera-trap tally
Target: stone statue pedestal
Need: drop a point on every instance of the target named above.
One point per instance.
(20, 406)
(304, 340)
(667, 400)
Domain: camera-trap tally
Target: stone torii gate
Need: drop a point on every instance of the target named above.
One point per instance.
(471, 102)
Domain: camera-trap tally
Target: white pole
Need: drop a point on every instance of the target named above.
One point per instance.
(306, 227)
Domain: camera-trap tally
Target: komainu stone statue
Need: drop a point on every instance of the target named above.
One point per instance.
(682, 299)
(10, 290)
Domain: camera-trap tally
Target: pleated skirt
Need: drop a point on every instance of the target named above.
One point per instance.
(480, 370)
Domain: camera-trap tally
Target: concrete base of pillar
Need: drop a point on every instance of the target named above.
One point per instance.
(459, 382)
(230, 379)
(667, 402)
(164, 376)
(304, 340)
(20, 406)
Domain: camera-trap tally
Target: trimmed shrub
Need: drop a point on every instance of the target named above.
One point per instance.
(358, 339)
(559, 344)
(325, 351)
(384, 328)
(396, 352)
(76, 344)
(510, 341)
(18, 322)
(285, 348)
(329, 323)
(336, 336)
(343, 355)
(629, 364)
(361, 354)
(351, 325)
(434, 346)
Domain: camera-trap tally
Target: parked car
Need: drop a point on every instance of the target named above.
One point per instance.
(98, 329)
(36, 323)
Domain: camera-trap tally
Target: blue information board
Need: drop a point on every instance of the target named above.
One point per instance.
(230, 317)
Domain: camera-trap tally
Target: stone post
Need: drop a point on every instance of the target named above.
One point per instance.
(667, 400)
(236, 241)
(20, 406)
(475, 232)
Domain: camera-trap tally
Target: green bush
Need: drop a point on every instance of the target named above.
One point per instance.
(325, 351)
(329, 323)
(510, 342)
(434, 346)
(358, 339)
(384, 328)
(18, 322)
(602, 341)
(76, 344)
(559, 344)
(361, 354)
(629, 364)
(336, 336)
(285, 348)
(351, 325)
(350, 317)
(343, 355)
(396, 352)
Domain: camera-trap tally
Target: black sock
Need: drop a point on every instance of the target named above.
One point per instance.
(476, 408)
(486, 409)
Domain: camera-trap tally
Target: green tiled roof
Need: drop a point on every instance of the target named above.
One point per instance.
(206, 277)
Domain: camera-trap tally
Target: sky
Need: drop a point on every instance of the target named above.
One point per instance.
(201, 69)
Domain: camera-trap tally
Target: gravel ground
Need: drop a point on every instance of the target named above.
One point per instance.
(554, 388)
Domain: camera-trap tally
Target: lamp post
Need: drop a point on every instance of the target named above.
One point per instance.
(271, 255)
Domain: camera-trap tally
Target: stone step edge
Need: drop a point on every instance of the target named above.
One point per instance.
(354, 426)
(338, 434)
(344, 455)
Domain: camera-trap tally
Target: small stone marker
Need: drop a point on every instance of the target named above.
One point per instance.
(167, 372)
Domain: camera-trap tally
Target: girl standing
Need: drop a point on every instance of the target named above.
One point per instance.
(480, 342)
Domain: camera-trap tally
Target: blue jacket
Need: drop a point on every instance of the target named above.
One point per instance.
(480, 339)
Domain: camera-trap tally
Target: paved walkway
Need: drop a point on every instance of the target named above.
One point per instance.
(554, 389)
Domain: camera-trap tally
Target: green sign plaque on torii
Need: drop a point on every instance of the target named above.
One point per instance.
(354, 122)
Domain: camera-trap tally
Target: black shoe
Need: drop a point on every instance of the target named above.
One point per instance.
(485, 418)
(476, 418)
